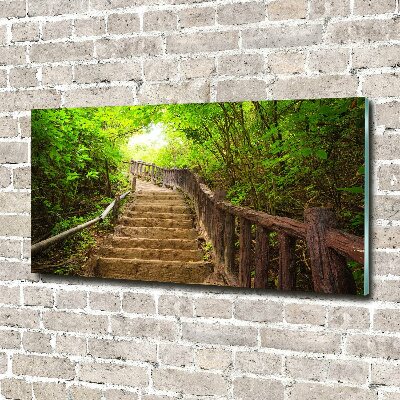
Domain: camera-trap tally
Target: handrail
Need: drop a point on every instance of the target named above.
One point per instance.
(44, 244)
(328, 247)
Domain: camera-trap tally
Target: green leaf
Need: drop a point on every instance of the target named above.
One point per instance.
(353, 189)
(322, 154)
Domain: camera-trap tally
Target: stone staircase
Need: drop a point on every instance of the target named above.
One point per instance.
(153, 241)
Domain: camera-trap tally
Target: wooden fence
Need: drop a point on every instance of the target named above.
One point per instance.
(328, 248)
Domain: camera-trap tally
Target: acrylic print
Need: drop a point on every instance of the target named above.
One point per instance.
(257, 195)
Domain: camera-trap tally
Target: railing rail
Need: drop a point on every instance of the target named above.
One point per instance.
(328, 247)
(44, 244)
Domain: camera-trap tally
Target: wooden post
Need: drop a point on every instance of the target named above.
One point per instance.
(287, 272)
(133, 184)
(329, 269)
(245, 258)
(152, 172)
(219, 220)
(261, 258)
(115, 209)
(229, 244)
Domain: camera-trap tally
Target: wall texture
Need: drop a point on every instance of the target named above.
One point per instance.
(84, 339)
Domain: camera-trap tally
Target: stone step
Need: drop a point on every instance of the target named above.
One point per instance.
(153, 214)
(159, 196)
(161, 208)
(177, 202)
(151, 254)
(153, 270)
(156, 222)
(156, 233)
(128, 242)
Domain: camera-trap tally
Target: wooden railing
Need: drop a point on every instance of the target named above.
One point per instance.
(112, 207)
(328, 248)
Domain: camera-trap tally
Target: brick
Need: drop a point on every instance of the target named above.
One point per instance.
(16, 389)
(386, 237)
(122, 48)
(107, 5)
(383, 85)
(38, 296)
(12, 8)
(258, 310)
(229, 335)
(197, 67)
(37, 342)
(175, 355)
(307, 368)
(368, 7)
(159, 21)
(64, 51)
(24, 123)
(190, 383)
(313, 342)
(241, 13)
(390, 396)
(329, 86)
(286, 62)
(329, 61)
(9, 295)
(119, 24)
(71, 322)
(385, 374)
(121, 394)
(348, 318)
(255, 388)
(50, 8)
(97, 97)
(144, 327)
(389, 179)
(387, 291)
(315, 391)
(376, 57)
(23, 77)
(241, 64)
(305, 314)
(3, 363)
(157, 69)
(10, 340)
(279, 10)
(5, 177)
(241, 90)
(53, 75)
(138, 303)
(194, 91)
(114, 374)
(387, 263)
(52, 30)
(12, 55)
(213, 359)
(106, 301)
(350, 372)
(282, 36)
(82, 392)
(373, 346)
(3, 79)
(191, 17)
(26, 248)
(27, 100)
(13, 152)
(70, 345)
(256, 362)
(363, 31)
(387, 320)
(15, 202)
(15, 225)
(386, 147)
(25, 31)
(94, 26)
(388, 114)
(49, 367)
(10, 248)
(13, 271)
(329, 8)
(202, 42)
(160, 397)
(8, 126)
(68, 299)
(213, 308)
(49, 390)
(122, 349)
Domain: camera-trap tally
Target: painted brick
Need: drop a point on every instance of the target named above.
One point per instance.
(381, 85)
(37, 342)
(49, 390)
(387, 263)
(10, 248)
(286, 62)
(387, 320)
(237, 90)
(24, 124)
(213, 308)
(159, 21)
(67, 299)
(362, 7)
(190, 383)
(197, 67)
(95, 26)
(123, 23)
(53, 75)
(175, 305)
(376, 57)
(386, 237)
(17, 271)
(314, 342)
(55, 52)
(241, 13)
(329, 8)
(36, 8)
(10, 340)
(70, 345)
(26, 100)
(15, 225)
(25, 31)
(38, 296)
(256, 362)
(3, 363)
(229, 335)
(191, 17)
(213, 359)
(5, 177)
(282, 36)
(12, 8)
(305, 314)
(385, 374)
(8, 127)
(386, 147)
(283, 10)
(114, 374)
(9, 295)
(241, 64)
(373, 346)
(255, 388)
(52, 30)
(16, 389)
(23, 77)
(137, 46)
(138, 303)
(329, 61)
(388, 114)
(13, 152)
(121, 394)
(158, 69)
(175, 355)
(389, 179)
(15, 202)
(387, 291)
(258, 310)
(106, 301)
(350, 372)
(12, 55)
(348, 318)
(82, 392)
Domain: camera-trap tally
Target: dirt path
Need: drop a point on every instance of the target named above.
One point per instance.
(153, 241)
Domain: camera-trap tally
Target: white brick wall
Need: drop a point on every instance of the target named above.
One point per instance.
(83, 339)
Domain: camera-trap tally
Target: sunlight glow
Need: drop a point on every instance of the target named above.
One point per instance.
(154, 137)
